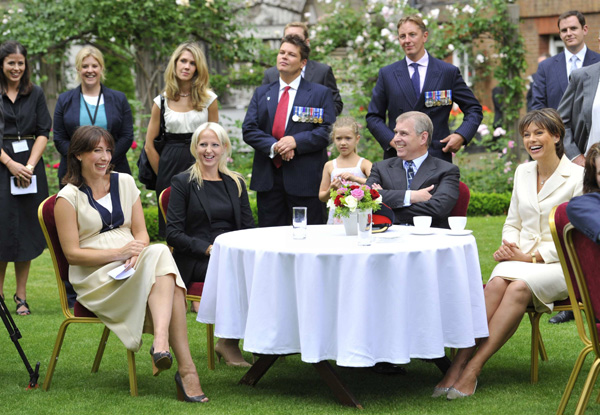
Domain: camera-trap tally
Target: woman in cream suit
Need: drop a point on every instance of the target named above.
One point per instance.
(529, 271)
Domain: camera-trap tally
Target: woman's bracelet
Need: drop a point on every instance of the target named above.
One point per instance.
(533, 258)
(30, 167)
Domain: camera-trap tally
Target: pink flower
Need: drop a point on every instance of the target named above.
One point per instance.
(134, 145)
(504, 150)
(357, 194)
(511, 144)
(56, 165)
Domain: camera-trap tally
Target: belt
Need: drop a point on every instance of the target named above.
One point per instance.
(15, 137)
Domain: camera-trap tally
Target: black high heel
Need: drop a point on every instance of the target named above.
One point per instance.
(160, 361)
(182, 396)
(21, 303)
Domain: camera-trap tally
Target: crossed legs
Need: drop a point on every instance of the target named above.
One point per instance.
(506, 302)
(167, 306)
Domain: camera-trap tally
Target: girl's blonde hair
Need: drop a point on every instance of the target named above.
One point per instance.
(345, 122)
(200, 82)
(83, 53)
(196, 173)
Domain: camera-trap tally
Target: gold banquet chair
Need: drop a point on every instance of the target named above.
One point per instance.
(80, 314)
(194, 292)
(583, 254)
(558, 222)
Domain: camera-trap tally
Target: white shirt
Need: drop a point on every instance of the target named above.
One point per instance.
(292, 93)
(423, 63)
(416, 165)
(580, 56)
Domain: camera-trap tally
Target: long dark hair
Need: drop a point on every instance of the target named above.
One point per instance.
(590, 181)
(85, 139)
(7, 48)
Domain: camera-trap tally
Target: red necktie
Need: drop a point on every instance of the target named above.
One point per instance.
(279, 121)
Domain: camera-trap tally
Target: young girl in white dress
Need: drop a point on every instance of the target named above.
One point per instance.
(348, 166)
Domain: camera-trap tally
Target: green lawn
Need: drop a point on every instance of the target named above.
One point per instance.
(289, 387)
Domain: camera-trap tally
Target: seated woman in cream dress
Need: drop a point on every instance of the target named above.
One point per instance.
(529, 271)
(101, 226)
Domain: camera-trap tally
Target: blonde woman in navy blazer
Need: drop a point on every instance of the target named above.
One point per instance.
(206, 201)
(68, 114)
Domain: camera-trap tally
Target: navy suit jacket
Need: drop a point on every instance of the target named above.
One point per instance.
(301, 175)
(394, 94)
(583, 214)
(317, 73)
(391, 175)
(189, 229)
(550, 80)
(118, 117)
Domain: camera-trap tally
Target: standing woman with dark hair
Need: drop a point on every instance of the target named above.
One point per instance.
(189, 103)
(26, 128)
(92, 103)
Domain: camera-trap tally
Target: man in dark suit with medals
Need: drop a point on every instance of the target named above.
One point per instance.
(315, 72)
(287, 124)
(422, 83)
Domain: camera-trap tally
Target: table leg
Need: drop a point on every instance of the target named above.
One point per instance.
(258, 369)
(443, 363)
(332, 380)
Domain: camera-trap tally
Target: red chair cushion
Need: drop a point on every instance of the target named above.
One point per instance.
(196, 289)
(462, 204)
(48, 214)
(81, 311)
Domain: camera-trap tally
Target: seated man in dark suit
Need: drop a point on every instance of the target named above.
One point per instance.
(287, 124)
(416, 183)
(314, 71)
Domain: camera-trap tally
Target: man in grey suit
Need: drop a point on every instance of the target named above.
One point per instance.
(552, 76)
(315, 72)
(582, 126)
(415, 183)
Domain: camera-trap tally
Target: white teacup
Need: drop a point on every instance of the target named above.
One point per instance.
(457, 223)
(422, 221)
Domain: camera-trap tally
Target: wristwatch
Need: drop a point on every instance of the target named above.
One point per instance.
(30, 167)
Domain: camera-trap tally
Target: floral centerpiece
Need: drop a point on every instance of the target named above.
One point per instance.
(351, 197)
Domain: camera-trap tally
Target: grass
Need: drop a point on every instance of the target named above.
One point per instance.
(290, 387)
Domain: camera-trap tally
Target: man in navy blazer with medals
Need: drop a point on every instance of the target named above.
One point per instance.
(552, 76)
(431, 88)
(313, 71)
(287, 124)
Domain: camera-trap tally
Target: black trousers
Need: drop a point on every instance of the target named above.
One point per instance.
(275, 206)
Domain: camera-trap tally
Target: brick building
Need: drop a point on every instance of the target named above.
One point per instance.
(539, 26)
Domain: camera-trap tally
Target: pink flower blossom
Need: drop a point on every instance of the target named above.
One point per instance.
(511, 144)
(357, 194)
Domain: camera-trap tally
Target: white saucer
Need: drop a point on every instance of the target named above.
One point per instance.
(422, 231)
(460, 233)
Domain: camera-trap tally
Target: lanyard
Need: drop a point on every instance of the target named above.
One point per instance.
(93, 120)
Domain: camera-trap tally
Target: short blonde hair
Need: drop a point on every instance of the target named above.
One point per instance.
(200, 80)
(83, 53)
(301, 25)
(195, 172)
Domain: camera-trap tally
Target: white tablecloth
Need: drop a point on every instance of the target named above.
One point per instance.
(405, 296)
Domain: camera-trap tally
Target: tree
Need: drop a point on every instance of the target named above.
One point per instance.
(142, 33)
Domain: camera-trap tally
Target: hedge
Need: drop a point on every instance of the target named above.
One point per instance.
(493, 204)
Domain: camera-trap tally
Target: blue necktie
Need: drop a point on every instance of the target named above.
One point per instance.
(410, 172)
(416, 80)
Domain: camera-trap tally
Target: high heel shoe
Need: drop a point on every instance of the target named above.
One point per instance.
(437, 392)
(456, 394)
(160, 361)
(182, 396)
(21, 303)
(221, 353)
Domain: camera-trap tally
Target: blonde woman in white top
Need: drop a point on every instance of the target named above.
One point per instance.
(189, 103)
